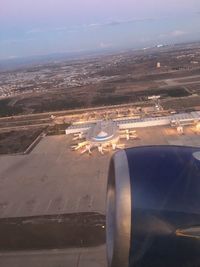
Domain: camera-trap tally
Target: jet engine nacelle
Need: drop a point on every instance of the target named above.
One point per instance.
(153, 207)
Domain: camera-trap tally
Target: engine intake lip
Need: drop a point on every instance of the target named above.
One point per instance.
(118, 219)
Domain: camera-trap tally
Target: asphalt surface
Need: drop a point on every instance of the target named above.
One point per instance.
(60, 189)
(52, 232)
(76, 257)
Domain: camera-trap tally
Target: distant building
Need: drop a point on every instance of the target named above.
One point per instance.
(159, 45)
(132, 123)
(158, 65)
(198, 127)
(180, 130)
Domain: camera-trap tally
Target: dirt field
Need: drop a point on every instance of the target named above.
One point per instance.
(184, 104)
(98, 95)
(17, 141)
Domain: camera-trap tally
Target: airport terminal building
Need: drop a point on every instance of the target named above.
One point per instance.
(123, 124)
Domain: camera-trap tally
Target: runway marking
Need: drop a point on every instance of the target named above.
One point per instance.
(60, 154)
(78, 260)
(57, 204)
(3, 208)
(35, 207)
(29, 206)
(78, 204)
(17, 210)
(90, 203)
(65, 206)
(49, 204)
(84, 202)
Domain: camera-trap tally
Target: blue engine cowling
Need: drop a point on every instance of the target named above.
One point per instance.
(153, 207)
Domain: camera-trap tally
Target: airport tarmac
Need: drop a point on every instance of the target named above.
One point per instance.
(87, 257)
(163, 135)
(54, 180)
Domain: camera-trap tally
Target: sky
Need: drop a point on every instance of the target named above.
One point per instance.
(40, 27)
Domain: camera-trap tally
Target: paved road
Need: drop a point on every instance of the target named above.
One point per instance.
(17, 128)
(93, 257)
(181, 81)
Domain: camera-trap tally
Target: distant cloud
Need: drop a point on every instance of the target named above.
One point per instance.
(15, 41)
(35, 30)
(105, 45)
(178, 33)
(119, 22)
(57, 29)
(91, 25)
(76, 28)
(175, 33)
(60, 29)
(12, 57)
(114, 23)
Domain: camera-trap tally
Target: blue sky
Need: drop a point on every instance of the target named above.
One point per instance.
(37, 27)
